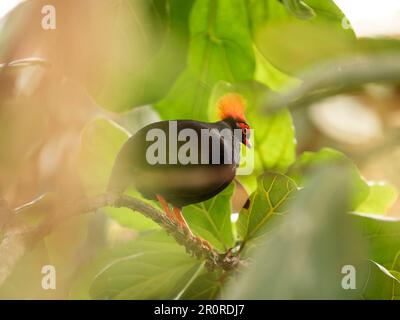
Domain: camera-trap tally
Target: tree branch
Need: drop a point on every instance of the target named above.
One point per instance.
(333, 77)
(18, 237)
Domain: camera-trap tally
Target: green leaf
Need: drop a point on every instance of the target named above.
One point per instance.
(299, 9)
(198, 284)
(154, 268)
(157, 76)
(382, 236)
(309, 162)
(211, 219)
(274, 141)
(270, 76)
(101, 142)
(267, 205)
(381, 284)
(291, 44)
(132, 220)
(303, 257)
(206, 286)
(219, 50)
(381, 197)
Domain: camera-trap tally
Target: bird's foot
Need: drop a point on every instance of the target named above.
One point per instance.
(184, 226)
(206, 244)
(176, 216)
(181, 221)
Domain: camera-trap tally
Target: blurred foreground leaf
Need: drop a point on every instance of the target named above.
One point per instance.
(60, 249)
(126, 54)
(304, 257)
(101, 142)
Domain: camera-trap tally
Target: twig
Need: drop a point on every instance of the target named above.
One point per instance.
(334, 77)
(19, 238)
(193, 244)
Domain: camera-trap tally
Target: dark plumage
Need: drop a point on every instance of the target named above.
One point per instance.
(178, 184)
(211, 168)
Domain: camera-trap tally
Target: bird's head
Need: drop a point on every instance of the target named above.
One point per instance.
(231, 109)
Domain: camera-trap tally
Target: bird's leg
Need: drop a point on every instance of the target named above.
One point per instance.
(165, 206)
(182, 222)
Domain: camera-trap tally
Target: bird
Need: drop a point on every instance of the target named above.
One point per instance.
(182, 162)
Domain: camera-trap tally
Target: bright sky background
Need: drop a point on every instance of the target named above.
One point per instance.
(372, 17)
(368, 17)
(6, 6)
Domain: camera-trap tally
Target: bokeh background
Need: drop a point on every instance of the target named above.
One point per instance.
(111, 67)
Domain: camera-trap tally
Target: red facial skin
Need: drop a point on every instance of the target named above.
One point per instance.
(245, 133)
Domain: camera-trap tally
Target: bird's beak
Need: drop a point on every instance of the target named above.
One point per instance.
(248, 144)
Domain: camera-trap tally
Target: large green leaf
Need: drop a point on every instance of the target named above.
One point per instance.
(382, 235)
(290, 43)
(303, 258)
(171, 280)
(219, 50)
(267, 206)
(211, 219)
(206, 286)
(270, 76)
(274, 141)
(381, 284)
(309, 162)
(274, 134)
(154, 267)
(132, 220)
(381, 197)
(379, 276)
